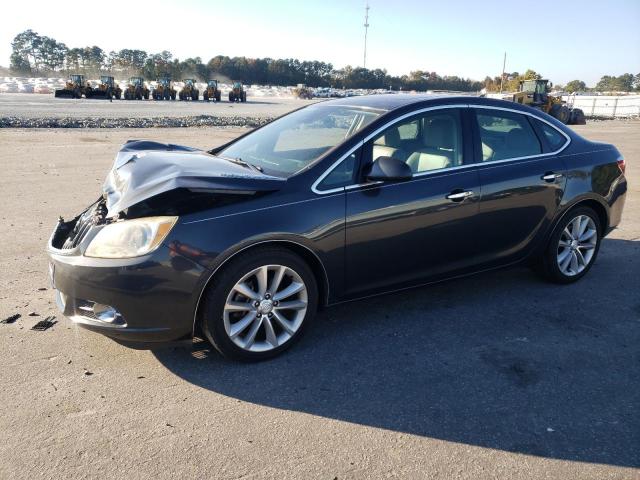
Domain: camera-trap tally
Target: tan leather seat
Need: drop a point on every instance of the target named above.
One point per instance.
(388, 145)
(439, 146)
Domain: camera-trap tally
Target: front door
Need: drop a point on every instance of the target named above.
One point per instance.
(403, 233)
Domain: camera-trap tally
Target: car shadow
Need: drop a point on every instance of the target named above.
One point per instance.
(499, 360)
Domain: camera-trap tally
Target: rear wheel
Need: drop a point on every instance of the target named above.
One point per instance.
(573, 246)
(259, 304)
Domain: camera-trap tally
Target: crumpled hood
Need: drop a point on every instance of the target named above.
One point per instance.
(144, 169)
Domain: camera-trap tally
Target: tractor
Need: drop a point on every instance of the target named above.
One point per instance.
(535, 93)
(74, 88)
(237, 93)
(108, 88)
(189, 91)
(136, 89)
(212, 92)
(164, 89)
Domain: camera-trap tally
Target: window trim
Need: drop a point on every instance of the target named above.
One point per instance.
(542, 142)
(360, 144)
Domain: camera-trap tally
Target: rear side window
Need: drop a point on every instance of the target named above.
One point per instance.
(554, 138)
(506, 135)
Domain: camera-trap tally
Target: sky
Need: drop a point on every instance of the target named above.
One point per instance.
(561, 39)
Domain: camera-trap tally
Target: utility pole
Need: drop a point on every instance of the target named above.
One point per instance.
(366, 28)
(504, 65)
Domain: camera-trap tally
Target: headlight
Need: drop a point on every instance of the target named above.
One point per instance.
(130, 238)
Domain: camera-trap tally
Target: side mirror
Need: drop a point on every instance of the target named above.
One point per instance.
(389, 169)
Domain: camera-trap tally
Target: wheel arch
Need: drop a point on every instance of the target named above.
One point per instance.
(597, 205)
(301, 250)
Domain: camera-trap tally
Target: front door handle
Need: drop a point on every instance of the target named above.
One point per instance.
(459, 196)
(551, 177)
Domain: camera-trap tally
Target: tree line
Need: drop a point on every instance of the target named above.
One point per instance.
(37, 55)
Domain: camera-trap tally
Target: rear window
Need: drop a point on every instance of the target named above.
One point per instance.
(506, 135)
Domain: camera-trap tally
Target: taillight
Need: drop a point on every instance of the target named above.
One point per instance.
(621, 164)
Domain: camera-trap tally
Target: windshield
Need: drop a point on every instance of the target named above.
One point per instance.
(294, 141)
(213, 83)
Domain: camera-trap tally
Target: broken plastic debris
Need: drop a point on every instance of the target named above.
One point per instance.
(45, 324)
(11, 319)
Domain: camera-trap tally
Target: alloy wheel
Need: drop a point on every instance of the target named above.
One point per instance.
(265, 308)
(577, 245)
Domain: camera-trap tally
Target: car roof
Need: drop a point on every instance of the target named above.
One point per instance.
(391, 102)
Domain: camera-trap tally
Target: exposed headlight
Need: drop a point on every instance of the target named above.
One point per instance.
(130, 238)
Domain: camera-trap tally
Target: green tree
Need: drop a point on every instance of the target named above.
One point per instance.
(575, 86)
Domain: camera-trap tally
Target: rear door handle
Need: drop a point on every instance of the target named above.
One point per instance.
(459, 196)
(551, 177)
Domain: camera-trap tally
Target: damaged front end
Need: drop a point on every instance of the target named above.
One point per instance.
(111, 267)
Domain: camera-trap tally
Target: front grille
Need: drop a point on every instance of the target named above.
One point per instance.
(77, 232)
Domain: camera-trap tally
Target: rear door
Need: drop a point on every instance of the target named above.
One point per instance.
(522, 179)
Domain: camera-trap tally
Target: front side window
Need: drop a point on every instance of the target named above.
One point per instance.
(431, 141)
(506, 135)
(294, 141)
(340, 176)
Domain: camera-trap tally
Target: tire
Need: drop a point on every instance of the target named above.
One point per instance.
(218, 97)
(205, 97)
(552, 261)
(231, 97)
(217, 321)
(578, 117)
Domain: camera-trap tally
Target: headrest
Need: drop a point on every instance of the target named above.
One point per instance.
(440, 133)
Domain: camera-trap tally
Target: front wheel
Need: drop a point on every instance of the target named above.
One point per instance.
(573, 246)
(259, 304)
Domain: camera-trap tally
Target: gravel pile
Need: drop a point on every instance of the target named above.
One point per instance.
(153, 122)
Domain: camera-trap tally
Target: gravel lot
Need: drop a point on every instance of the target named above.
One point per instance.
(494, 376)
(35, 106)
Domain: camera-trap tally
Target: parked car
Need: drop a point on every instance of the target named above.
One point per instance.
(337, 201)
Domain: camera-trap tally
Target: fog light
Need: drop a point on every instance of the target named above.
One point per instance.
(106, 313)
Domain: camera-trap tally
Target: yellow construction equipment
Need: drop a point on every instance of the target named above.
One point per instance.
(212, 92)
(535, 93)
(189, 91)
(237, 93)
(74, 88)
(136, 89)
(164, 89)
(107, 88)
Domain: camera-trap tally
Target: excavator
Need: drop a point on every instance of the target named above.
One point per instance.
(535, 93)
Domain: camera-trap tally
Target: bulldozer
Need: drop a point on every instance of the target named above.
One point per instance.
(237, 93)
(212, 92)
(164, 89)
(189, 91)
(74, 88)
(535, 93)
(136, 89)
(107, 88)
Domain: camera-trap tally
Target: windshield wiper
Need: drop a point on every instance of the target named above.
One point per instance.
(244, 163)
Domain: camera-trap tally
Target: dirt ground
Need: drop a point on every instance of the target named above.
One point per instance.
(494, 376)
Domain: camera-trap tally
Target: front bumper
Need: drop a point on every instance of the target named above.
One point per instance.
(154, 296)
